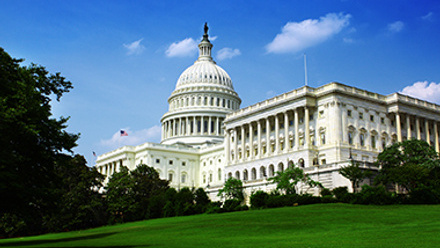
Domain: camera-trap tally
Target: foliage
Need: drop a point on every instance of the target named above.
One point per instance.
(411, 164)
(325, 192)
(32, 143)
(341, 194)
(288, 180)
(233, 189)
(373, 195)
(259, 199)
(134, 195)
(355, 174)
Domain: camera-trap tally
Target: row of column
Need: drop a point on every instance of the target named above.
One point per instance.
(418, 132)
(191, 125)
(110, 168)
(209, 101)
(259, 125)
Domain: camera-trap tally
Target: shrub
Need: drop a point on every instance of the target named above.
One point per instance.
(341, 194)
(423, 195)
(325, 192)
(373, 195)
(259, 199)
(231, 205)
(328, 199)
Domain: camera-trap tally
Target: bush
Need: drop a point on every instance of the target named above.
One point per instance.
(259, 199)
(341, 194)
(373, 195)
(325, 192)
(423, 195)
(231, 205)
(328, 199)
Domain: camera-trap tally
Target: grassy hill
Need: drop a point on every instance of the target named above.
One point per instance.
(321, 225)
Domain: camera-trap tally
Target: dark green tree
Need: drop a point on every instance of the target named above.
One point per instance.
(411, 164)
(135, 195)
(355, 174)
(232, 190)
(31, 141)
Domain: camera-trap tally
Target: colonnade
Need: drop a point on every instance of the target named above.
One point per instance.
(269, 136)
(420, 123)
(110, 168)
(203, 101)
(192, 125)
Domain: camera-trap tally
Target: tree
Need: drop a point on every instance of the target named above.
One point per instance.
(31, 141)
(355, 174)
(288, 180)
(135, 195)
(411, 164)
(232, 190)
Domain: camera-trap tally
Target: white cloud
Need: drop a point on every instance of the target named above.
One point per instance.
(423, 90)
(227, 53)
(296, 36)
(184, 48)
(151, 134)
(396, 27)
(135, 47)
(428, 17)
(348, 40)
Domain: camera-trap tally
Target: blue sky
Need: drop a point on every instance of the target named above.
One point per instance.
(124, 57)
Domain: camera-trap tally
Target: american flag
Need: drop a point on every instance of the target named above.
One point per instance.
(94, 154)
(123, 133)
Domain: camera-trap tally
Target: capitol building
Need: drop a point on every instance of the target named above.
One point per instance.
(207, 138)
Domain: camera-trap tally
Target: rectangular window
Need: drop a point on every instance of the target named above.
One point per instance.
(349, 113)
(321, 114)
(170, 177)
(361, 116)
(373, 142)
(183, 163)
(382, 120)
(371, 117)
(183, 178)
(157, 161)
(170, 162)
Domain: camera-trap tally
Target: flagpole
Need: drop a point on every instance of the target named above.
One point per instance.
(305, 69)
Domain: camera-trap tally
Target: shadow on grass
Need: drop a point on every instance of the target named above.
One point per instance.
(49, 241)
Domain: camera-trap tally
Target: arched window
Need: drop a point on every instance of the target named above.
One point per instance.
(219, 174)
(237, 175)
(280, 167)
(271, 170)
(253, 174)
(229, 175)
(301, 162)
(262, 172)
(290, 164)
(245, 175)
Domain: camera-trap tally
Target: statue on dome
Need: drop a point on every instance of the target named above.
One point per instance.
(206, 28)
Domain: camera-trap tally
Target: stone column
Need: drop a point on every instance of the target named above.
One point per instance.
(436, 137)
(398, 128)
(202, 125)
(277, 134)
(251, 141)
(188, 126)
(296, 128)
(428, 138)
(306, 127)
(286, 131)
(243, 144)
(227, 147)
(408, 127)
(338, 124)
(259, 137)
(209, 125)
(235, 145)
(419, 135)
(267, 136)
(217, 126)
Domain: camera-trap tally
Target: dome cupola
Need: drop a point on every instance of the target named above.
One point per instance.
(198, 105)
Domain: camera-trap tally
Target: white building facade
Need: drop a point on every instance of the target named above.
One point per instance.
(207, 138)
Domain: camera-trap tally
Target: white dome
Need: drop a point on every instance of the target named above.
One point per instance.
(204, 73)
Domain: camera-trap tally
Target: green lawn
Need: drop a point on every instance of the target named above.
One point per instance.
(321, 225)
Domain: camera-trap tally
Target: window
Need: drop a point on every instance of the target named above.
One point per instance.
(371, 117)
(219, 174)
(204, 178)
(183, 163)
(170, 162)
(362, 139)
(183, 180)
(361, 116)
(170, 177)
(323, 161)
(321, 114)
(350, 138)
(349, 113)
(382, 120)
(210, 177)
(373, 142)
(157, 161)
(323, 138)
